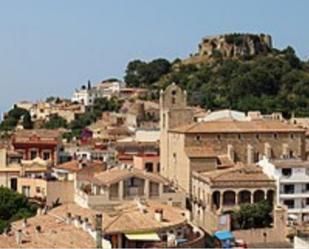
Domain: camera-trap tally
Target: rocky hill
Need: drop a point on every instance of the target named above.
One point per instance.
(238, 71)
(234, 45)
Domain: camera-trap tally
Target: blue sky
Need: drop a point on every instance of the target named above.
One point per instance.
(52, 47)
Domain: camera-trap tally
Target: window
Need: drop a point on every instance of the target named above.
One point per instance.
(174, 157)
(38, 190)
(164, 117)
(133, 182)
(256, 157)
(288, 189)
(275, 135)
(292, 136)
(218, 137)
(239, 136)
(33, 154)
(257, 136)
(307, 201)
(286, 172)
(26, 191)
(291, 154)
(289, 203)
(307, 187)
(46, 155)
(198, 138)
(149, 167)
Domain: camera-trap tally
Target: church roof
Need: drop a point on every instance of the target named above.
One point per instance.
(233, 126)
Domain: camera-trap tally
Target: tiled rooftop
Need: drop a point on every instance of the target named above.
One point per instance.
(233, 126)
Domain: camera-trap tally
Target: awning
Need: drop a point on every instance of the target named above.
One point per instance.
(223, 235)
(143, 236)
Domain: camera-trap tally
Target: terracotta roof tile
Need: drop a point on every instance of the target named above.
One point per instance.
(233, 126)
(116, 174)
(55, 233)
(74, 166)
(128, 217)
(290, 163)
(199, 152)
(237, 176)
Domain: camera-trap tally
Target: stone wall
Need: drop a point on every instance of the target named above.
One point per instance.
(277, 233)
(240, 141)
(235, 45)
(62, 190)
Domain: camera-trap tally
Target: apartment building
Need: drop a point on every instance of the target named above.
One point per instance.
(292, 180)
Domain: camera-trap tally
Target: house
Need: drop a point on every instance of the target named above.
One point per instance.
(223, 115)
(57, 184)
(12, 166)
(149, 163)
(125, 151)
(41, 143)
(69, 170)
(88, 94)
(128, 92)
(220, 191)
(292, 180)
(117, 185)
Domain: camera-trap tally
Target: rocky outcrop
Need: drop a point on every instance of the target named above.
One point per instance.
(235, 45)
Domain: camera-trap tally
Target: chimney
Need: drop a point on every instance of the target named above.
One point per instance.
(38, 229)
(39, 211)
(159, 214)
(45, 210)
(98, 229)
(7, 230)
(267, 150)
(250, 154)
(81, 164)
(3, 158)
(86, 224)
(69, 218)
(285, 150)
(25, 223)
(77, 221)
(18, 236)
(231, 152)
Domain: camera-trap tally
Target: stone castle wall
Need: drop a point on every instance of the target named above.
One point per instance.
(235, 45)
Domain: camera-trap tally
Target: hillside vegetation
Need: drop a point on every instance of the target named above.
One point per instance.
(277, 81)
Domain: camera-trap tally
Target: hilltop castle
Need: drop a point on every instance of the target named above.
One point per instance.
(231, 46)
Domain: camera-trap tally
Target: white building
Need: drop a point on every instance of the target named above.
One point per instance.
(225, 114)
(292, 179)
(83, 96)
(88, 94)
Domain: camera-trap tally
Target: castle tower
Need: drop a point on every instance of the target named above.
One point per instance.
(173, 113)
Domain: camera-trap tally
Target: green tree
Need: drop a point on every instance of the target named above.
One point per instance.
(257, 215)
(13, 206)
(55, 122)
(95, 112)
(141, 74)
(13, 116)
(27, 122)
